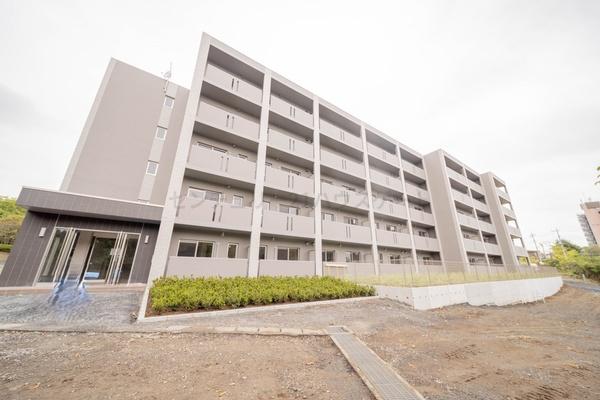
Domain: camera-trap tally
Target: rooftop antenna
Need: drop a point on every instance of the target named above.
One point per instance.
(167, 75)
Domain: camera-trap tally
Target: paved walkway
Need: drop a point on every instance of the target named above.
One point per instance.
(589, 286)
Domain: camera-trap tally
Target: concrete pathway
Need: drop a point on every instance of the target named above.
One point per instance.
(380, 378)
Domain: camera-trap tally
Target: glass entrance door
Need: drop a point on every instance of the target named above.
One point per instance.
(99, 260)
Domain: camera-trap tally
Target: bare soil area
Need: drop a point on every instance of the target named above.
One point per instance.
(173, 366)
(541, 351)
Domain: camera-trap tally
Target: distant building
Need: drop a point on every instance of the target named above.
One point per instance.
(590, 221)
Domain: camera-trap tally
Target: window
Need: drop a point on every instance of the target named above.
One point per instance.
(391, 228)
(353, 256)
(161, 133)
(427, 260)
(266, 205)
(152, 168)
(205, 249)
(290, 171)
(328, 216)
(328, 255)
(351, 220)
(395, 259)
(423, 234)
(204, 194)
(237, 200)
(381, 257)
(285, 253)
(186, 249)
(169, 101)
(232, 250)
(288, 209)
(262, 253)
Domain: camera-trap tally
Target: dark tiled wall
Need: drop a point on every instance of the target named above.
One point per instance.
(24, 260)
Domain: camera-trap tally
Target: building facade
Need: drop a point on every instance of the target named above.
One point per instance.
(247, 173)
(590, 222)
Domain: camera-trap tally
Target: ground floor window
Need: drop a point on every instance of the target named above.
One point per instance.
(353, 256)
(191, 248)
(262, 253)
(232, 250)
(328, 255)
(287, 253)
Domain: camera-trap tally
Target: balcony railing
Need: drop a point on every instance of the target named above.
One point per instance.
(492, 248)
(278, 223)
(520, 251)
(393, 239)
(382, 154)
(502, 194)
(456, 176)
(468, 221)
(286, 268)
(514, 231)
(222, 164)
(291, 111)
(232, 83)
(480, 205)
(473, 245)
(343, 164)
(342, 232)
(206, 266)
(332, 131)
(340, 195)
(227, 120)
(462, 197)
(426, 243)
(421, 216)
(289, 144)
(198, 212)
(487, 226)
(389, 208)
(413, 169)
(417, 192)
(282, 180)
(388, 181)
(509, 212)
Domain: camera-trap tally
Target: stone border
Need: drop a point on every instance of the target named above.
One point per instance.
(236, 311)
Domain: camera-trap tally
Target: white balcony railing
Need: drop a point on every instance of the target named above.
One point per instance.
(232, 83)
(342, 163)
(472, 245)
(421, 216)
(390, 208)
(487, 227)
(462, 197)
(286, 224)
(417, 192)
(413, 169)
(334, 132)
(492, 248)
(281, 141)
(291, 111)
(222, 164)
(514, 231)
(426, 243)
(393, 239)
(468, 221)
(342, 232)
(382, 154)
(198, 212)
(456, 176)
(388, 181)
(340, 195)
(282, 180)
(228, 120)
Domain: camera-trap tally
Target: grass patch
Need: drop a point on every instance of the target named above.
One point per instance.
(5, 248)
(192, 294)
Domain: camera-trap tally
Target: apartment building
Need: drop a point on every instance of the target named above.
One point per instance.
(590, 221)
(249, 174)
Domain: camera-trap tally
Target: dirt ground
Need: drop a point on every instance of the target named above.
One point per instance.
(540, 351)
(173, 366)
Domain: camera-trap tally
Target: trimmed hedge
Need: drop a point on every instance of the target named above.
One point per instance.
(6, 248)
(190, 294)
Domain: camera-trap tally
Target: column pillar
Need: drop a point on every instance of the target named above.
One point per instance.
(374, 249)
(317, 185)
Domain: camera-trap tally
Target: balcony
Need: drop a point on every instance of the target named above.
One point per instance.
(342, 164)
(341, 232)
(502, 194)
(389, 208)
(486, 227)
(342, 196)
(421, 217)
(481, 206)
(291, 183)
(289, 145)
(520, 251)
(456, 176)
(426, 243)
(286, 268)
(340, 135)
(232, 84)
(211, 214)
(393, 239)
(291, 111)
(514, 231)
(385, 180)
(197, 267)
(382, 154)
(277, 223)
(509, 213)
(474, 185)
(468, 221)
(473, 246)
(228, 121)
(462, 197)
(493, 249)
(221, 166)
(417, 192)
(413, 169)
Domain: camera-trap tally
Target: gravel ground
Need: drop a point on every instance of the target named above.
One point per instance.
(36, 365)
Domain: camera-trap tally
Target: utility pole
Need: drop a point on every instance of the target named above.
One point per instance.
(540, 255)
(560, 242)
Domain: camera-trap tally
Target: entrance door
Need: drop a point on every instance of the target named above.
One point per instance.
(55, 266)
(99, 260)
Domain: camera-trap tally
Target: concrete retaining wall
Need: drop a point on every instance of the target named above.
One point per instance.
(498, 293)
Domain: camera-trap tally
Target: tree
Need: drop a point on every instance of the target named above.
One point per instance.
(11, 217)
(572, 259)
(598, 176)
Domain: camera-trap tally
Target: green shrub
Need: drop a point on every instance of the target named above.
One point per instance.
(5, 247)
(189, 294)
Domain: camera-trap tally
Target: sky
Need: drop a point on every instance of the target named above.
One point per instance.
(511, 87)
